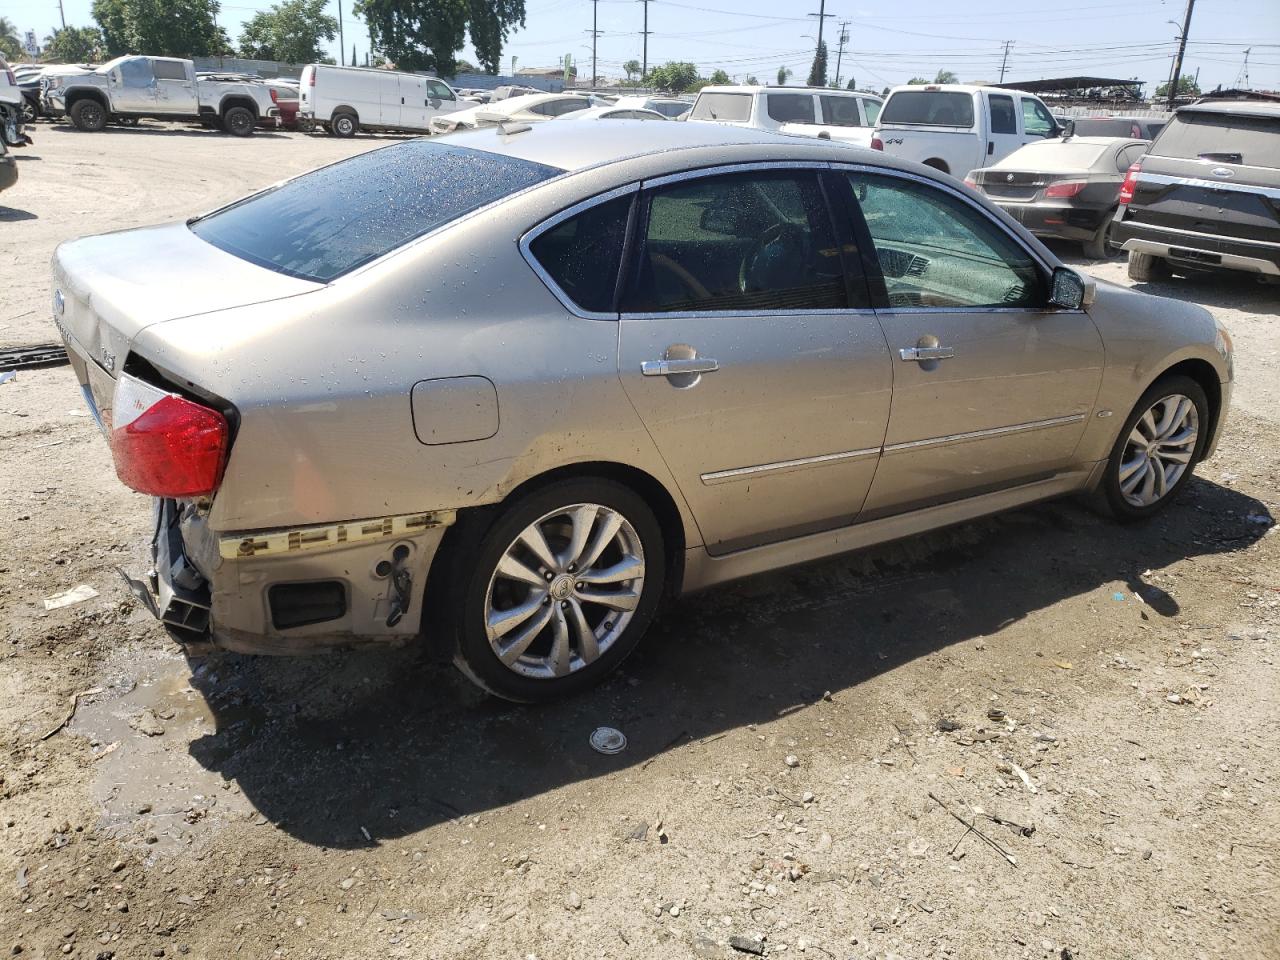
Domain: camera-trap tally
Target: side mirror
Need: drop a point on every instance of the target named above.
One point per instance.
(1070, 290)
(1068, 129)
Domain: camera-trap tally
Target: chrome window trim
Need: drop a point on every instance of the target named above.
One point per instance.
(983, 434)
(783, 466)
(1271, 193)
(743, 166)
(533, 233)
(738, 314)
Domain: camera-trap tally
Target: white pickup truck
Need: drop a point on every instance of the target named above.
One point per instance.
(161, 88)
(956, 128)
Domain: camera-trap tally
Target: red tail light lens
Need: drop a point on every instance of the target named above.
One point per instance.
(311, 79)
(1065, 188)
(164, 444)
(877, 143)
(970, 182)
(274, 97)
(1130, 183)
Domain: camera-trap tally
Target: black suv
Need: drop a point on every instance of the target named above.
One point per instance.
(1207, 194)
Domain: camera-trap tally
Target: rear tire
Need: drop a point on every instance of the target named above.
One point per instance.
(578, 623)
(1146, 267)
(88, 115)
(1098, 247)
(344, 125)
(239, 121)
(1124, 492)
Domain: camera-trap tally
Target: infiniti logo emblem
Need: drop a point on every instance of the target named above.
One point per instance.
(59, 303)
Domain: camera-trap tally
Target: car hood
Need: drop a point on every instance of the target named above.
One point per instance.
(110, 287)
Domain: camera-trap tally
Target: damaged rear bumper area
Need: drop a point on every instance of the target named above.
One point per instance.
(299, 590)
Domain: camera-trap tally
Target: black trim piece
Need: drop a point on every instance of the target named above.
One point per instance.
(302, 604)
(628, 248)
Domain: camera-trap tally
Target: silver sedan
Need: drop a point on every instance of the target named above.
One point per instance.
(509, 391)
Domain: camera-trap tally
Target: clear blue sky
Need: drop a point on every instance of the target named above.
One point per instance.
(889, 43)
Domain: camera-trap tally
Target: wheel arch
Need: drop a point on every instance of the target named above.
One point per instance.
(341, 109)
(937, 163)
(238, 100)
(75, 96)
(1203, 373)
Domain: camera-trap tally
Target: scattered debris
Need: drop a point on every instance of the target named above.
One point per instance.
(973, 829)
(995, 713)
(71, 710)
(917, 847)
(26, 358)
(791, 760)
(608, 740)
(68, 597)
(948, 725)
(8, 376)
(1062, 664)
(1008, 766)
(147, 723)
(747, 945)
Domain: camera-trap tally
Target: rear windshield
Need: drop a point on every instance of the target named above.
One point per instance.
(1221, 138)
(722, 106)
(328, 222)
(939, 107)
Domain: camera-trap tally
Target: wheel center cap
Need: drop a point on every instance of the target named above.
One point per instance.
(562, 587)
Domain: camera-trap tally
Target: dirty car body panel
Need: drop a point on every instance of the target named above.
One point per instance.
(386, 392)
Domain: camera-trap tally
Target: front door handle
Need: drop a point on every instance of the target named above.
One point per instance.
(920, 354)
(667, 368)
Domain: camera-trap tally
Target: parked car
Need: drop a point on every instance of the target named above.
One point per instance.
(955, 127)
(613, 113)
(509, 90)
(1136, 128)
(801, 111)
(1065, 188)
(669, 107)
(11, 101)
(161, 88)
(288, 100)
(345, 100)
(1206, 197)
(32, 80)
(352, 441)
(533, 108)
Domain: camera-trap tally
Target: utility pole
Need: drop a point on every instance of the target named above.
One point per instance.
(595, 32)
(1182, 49)
(342, 40)
(1242, 80)
(63, 14)
(844, 38)
(1005, 62)
(822, 18)
(644, 68)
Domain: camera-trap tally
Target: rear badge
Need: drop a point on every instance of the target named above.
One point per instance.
(1009, 178)
(59, 303)
(1223, 172)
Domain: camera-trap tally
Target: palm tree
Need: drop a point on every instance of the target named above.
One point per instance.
(10, 42)
(783, 74)
(632, 68)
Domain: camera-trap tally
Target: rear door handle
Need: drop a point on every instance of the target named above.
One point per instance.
(667, 368)
(918, 354)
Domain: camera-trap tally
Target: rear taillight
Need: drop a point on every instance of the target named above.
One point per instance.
(164, 444)
(274, 98)
(970, 182)
(311, 80)
(1065, 188)
(877, 143)
(1130, 183)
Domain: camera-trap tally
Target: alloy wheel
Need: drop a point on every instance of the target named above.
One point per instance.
(1159, 450)
(564, 591)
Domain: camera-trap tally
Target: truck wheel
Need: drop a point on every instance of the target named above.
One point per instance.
(1098, 247)
(29, 112)
(88, 115)
(344, 125)
(1145, 267)
(239, 121)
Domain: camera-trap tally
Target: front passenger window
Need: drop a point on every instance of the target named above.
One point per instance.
(1036, 120)
(935, 250)
(739, 242)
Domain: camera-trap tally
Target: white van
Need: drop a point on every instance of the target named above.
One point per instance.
(803, 111)
(346, 99)
(956, 128)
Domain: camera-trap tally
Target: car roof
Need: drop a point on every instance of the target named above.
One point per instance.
(1241, 108)
(595, 113)
(743, 88)
(593, 144)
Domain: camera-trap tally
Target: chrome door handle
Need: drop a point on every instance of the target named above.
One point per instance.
(918, 354)
(667, 368)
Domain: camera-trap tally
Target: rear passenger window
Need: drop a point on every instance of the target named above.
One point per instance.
(872, 110)
(740, 242)
(840, 111)
(169, 70)
(582, 254)
(1003, 119)
(790, 107)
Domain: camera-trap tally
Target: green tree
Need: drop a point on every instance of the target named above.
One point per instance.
(425, 34)
(784, 74)
(676, 77)
(161, 28)
(291, 31)
(752, 81)
(916, 81)
(632, 69)
(10, 42)
(73, 45)
(818, 72)
(720, 77)
(945, 76)
(1187, 87)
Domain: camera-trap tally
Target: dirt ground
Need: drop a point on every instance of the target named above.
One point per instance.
(1101, 703)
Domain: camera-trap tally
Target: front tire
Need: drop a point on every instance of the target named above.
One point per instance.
(553, 594)
(1146, 267)
(239, 121)
(344, 125)
(1157, 450)
(88, 115)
